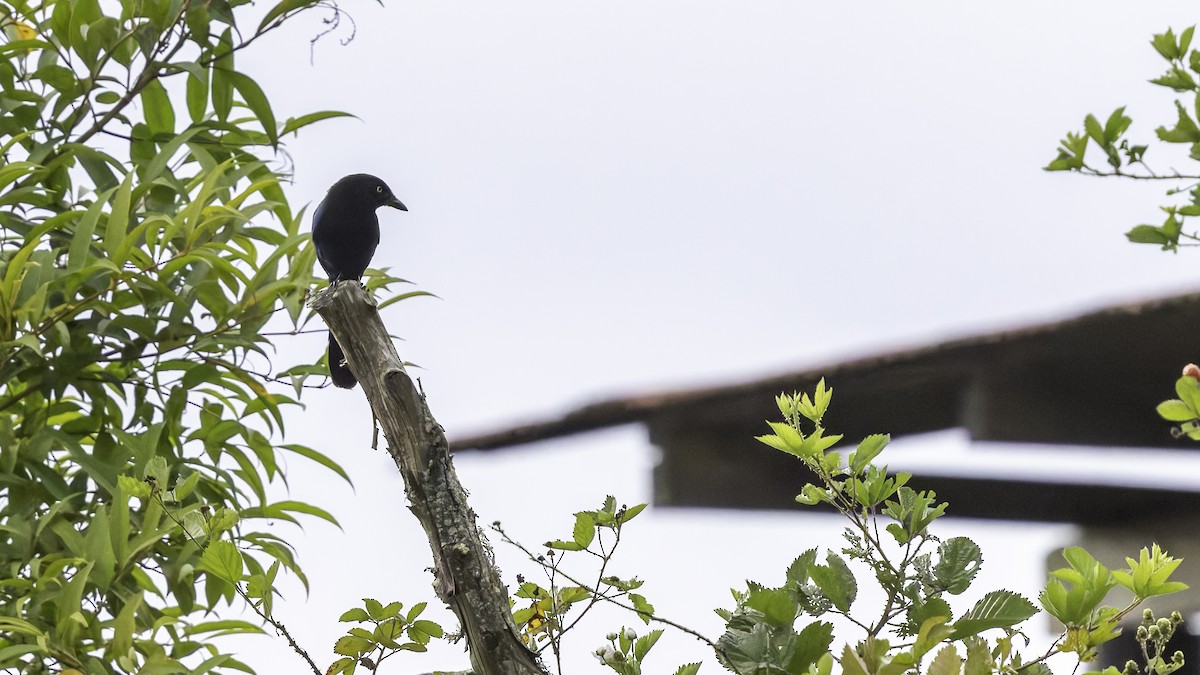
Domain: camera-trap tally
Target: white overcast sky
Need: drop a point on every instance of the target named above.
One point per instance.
(623, 196)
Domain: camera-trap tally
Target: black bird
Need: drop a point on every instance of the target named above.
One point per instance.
(345, 233)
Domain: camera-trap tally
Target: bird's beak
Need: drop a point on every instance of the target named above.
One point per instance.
(396, 204)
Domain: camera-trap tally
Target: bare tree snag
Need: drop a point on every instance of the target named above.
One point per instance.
(466, 577)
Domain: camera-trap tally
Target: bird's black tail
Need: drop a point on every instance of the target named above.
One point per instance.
(339, 372)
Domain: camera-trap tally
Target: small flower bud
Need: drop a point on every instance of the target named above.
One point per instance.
(1142, 634)
(1148, 616)
(613, 657)
(1165, 627)
(630, 634)
(611, 636)
(1131, 668)
(1192, 370)
(1176, 618)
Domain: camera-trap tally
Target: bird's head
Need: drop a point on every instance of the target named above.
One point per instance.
(365, 188)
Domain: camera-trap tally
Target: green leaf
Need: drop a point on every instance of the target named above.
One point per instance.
(354, 614)
(777, 605)
(1149, 575)
(197, 94)
(156, 106)
(1176, 79)
(1092, 126)
(797, 572)
(1165, 45)
(125, 625)
(1185, 130)
(836, 581)
(428, 627)
(294, 124)
(353, 646)
(643, 644)
(1185, 40)
(277, 14)
(1071, 152)
(933, 631)
(979, 658)
(630, 513)
(1148, 234)
(643, 607)
(947, 662)
(809, 646)
(223, 559)
(257, 101)
(374, 608)
(868, 449)
(560, 545)
(69, 603)
(585, 529)
(923, 611)
(133, 487)
(117, 227)
(1188, 391)
(1118, 122)
(688, 669)
(789, 439)
(1176, 411)
(415, 611)
(221, 81)
(959, 560)
(319, 458)
(998, 609)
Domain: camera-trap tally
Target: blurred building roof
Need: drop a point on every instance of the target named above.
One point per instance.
(1090, 380)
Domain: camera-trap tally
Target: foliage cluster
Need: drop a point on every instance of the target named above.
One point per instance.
(891, 544)
(145, 242)
(1127, 159)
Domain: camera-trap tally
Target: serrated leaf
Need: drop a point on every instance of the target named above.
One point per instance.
(959, 560)
(797, 572)
(1165, 45)
(1148, 234)
(374, 608)
(223, 559)
(415, 611)
(777, 605)
(585, 529)
(352, 646)
(428, 627)
(1175, 410)
(998, 609)
(810, 645)
(643, 607)
(642, 645)
(868, 449)
(354, 614)
(946, 662)
(836, 581)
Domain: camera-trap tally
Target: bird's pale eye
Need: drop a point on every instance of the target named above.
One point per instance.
(379, 189)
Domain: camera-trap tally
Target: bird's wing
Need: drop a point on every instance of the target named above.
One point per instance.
(316, 221)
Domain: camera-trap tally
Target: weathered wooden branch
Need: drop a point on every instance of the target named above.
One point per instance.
(465, 576)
